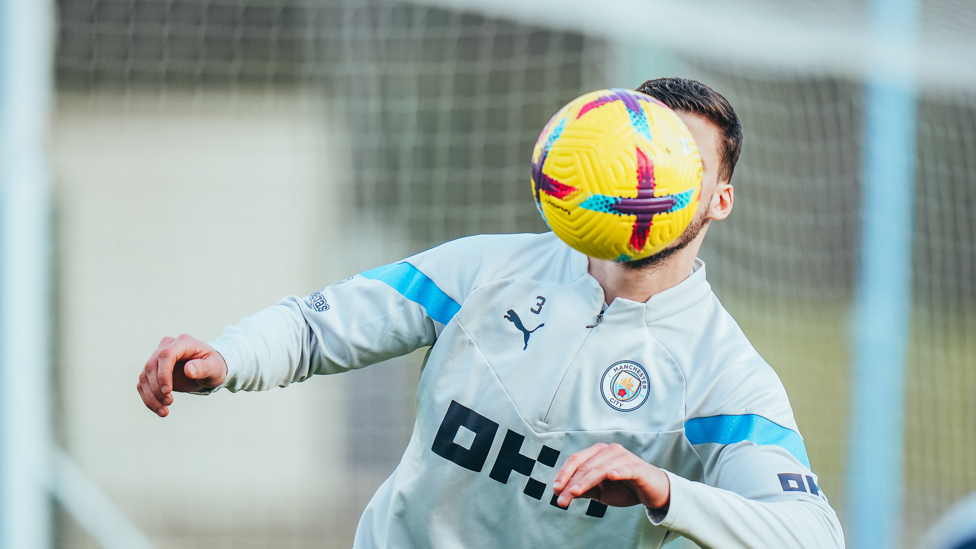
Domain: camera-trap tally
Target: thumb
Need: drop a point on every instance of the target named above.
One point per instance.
(199, 369)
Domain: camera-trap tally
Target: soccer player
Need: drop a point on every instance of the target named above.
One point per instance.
(956, 529)
(556, 385)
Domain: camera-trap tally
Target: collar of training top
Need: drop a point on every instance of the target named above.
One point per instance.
(675, 299)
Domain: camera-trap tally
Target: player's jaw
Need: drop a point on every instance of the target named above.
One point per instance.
(698, 223)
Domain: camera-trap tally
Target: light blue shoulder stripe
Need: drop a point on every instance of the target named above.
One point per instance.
(755, 429)
(415, 286)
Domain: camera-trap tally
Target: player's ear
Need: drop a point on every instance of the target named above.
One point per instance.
(722, 200)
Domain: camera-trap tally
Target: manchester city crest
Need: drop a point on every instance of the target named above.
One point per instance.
(624, 385)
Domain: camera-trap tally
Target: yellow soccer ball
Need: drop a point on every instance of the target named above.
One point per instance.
(617, 175)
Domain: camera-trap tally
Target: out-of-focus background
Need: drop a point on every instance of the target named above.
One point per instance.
(171, 166)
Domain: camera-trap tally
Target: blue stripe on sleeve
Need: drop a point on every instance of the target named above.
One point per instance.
(755, 429)
(415, 286)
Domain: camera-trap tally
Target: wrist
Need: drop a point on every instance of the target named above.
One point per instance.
(223, 363)
(660, 495)
(228, 357)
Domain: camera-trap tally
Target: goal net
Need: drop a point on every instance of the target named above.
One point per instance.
(275, 146)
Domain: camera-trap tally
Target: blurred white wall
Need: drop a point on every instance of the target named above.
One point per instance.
(184, 213)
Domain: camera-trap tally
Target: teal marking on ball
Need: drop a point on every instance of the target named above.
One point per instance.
(601, 203)
(682, 199)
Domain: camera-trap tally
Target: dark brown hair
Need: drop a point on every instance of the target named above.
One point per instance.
(691, 96)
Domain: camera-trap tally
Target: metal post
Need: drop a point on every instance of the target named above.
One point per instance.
(883, 301)
(26, 54)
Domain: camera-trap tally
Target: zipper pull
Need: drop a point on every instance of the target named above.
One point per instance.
(599, 319)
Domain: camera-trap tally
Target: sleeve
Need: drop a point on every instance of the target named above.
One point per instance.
(757, 488)
(373, 316)
(745, 503)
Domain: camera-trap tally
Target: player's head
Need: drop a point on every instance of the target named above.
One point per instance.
(718, 133)
(688, 96)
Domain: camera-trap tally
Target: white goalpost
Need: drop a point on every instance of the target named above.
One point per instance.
(26, 71)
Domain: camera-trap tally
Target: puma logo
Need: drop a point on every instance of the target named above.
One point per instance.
(514, 319)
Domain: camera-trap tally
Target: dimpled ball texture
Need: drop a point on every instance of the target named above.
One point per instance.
(616, 175)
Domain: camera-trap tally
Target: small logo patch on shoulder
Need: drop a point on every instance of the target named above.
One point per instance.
(317, 302)
(624, 386)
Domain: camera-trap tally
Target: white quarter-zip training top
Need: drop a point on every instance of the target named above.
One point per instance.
(524, 371)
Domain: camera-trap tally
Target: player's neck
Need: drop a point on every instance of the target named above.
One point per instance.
(640, 285)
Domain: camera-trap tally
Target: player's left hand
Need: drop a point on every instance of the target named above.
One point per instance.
(613, 476)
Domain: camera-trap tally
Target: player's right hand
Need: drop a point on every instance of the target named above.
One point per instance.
(183, 364)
